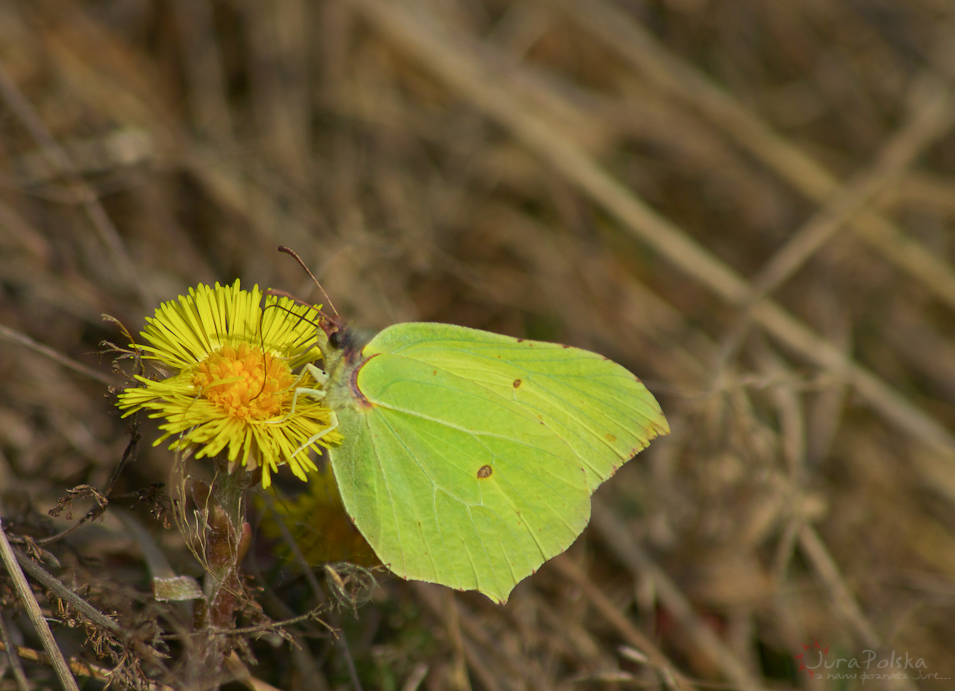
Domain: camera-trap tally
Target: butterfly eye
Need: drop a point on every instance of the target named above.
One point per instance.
(336, 340)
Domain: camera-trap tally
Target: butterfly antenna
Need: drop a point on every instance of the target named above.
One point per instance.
(265, 361)
(272, 292)
(292, 253)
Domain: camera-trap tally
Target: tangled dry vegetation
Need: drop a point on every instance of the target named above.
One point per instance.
(748, 204)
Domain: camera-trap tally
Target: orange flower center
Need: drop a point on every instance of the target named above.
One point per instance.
(245, 382)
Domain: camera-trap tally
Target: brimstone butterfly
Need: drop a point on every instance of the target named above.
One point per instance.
(469, 458)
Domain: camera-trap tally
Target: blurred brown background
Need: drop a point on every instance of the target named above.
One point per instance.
(749, 204)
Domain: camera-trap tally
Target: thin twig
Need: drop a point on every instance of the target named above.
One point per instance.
(842, 598)
(618, 540)
(149, 654)
(13, 655)
(35, 613)
(57, 157)
(609, 611)
(79, 668)
(433, 599)
(690, 85)
(932, 118)
(22, 339)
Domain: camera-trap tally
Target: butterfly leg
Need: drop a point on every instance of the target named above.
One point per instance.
(321, 378)
(318, 374)
(332, 426)
(317, 394)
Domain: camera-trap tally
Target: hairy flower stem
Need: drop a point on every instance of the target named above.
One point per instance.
(223, 541)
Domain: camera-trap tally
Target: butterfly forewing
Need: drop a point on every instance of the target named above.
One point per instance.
(598, 407)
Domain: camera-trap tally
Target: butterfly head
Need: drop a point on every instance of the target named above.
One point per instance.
(339, 343)
(331, 337)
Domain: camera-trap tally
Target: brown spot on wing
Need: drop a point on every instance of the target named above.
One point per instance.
(485, 471)
(517, 383)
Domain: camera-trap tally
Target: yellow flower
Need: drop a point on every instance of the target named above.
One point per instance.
(234, 392)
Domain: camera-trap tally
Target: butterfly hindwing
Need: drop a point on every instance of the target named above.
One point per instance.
(469, 458)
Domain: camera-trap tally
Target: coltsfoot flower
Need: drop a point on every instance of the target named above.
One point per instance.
(234, 391)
